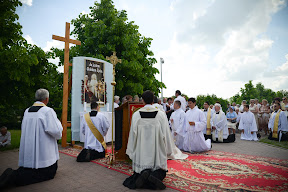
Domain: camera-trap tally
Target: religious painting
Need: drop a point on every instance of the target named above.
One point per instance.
(94, 83)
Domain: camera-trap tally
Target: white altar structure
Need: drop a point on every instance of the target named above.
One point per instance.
(91, 81)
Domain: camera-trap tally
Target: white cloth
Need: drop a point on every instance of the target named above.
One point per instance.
(248, 124)
(177, 125)
(102, 124)
(149, 141)
(183, 102)
(164, 106)
(157, 106)
(39, 133)
(194, 140)
(6, 137)
(241, 108)
(282, 125)
(116, 105)
(220, 122)
(238, 117)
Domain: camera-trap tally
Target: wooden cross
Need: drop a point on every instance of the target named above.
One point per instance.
(67, 40)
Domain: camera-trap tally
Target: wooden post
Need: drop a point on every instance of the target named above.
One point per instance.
(67, 40)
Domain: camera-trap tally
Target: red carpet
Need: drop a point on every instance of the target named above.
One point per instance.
(216, 171)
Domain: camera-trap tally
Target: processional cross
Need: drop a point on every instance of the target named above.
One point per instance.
(114, 60)
(66, 91)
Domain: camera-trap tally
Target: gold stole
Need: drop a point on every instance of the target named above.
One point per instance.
(276, 123)
(208, 132)
(39, 104)
(94, 130)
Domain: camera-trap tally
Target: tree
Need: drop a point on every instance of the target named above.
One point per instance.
(105, 30)
(212, 99)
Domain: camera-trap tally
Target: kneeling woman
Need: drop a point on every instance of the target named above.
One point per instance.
(220, 131)
(231, 118)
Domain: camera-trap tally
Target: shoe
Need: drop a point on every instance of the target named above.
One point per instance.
(142, 179)
(158, 183)
(5, 177)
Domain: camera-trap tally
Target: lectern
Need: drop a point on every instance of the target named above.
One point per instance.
(123, 116)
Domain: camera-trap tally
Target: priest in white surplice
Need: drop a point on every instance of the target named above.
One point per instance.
(278, 125)
(94, 126)
(248, 125)
(195, 122)
(177, 121)
(220, 131)
(149, 144)
(38, 152)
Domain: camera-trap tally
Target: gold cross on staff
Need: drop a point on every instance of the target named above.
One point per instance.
(67, 40)
(113, 59)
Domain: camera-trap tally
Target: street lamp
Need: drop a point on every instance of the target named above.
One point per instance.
(161, 62)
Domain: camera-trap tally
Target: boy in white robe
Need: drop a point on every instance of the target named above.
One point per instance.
(220, 131)
(38, 152)
(177, 120)
(195, 122)
(149, 144)
(278, 127)
(247, 125)
(93, 148)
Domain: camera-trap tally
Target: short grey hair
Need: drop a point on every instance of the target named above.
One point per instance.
(3, 127)
(41, 94)
(116, 98)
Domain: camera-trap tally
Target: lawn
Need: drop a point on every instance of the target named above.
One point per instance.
(283, 144)
(16, 136)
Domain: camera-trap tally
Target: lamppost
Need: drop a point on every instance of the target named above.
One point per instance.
(161, 62)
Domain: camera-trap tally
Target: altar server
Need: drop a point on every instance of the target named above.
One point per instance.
(208, 114)
(220, 131)
(195, 122)
(181, 99)
(38, 152)
(248, 125)
(177, 120)
(149, 144)
(94, 126)
(278, 124)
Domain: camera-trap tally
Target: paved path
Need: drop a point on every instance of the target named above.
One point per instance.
(73, 176)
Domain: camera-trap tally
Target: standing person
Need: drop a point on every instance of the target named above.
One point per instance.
(208, 114)
(38, 152)
(177, 120)
(278, 124)
(241, 109)
(5, 137)
(195, 122)
(181, 99)
(254, 109)
(220, 131)
(164, 104)
(157, 105)
(148, 154)
(257, 103)
(264, 114)
(116, 101)
(248, 125)
(169, 108)
(94, 126)
(232, 119)
(284, 103)
(136, 98)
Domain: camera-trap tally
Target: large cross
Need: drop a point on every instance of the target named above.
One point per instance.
(114, 60)
(67, 40)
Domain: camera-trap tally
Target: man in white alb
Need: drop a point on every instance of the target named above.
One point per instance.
(149, 144)
(94, 126)
(247, 125)
(278, 125)
(177, 121)
(195, 122)
(220, 131)
(116, 101)
(181, 99)
(38, 152)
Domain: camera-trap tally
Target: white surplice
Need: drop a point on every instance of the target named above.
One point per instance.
(102, 124)
(248, 124)
(177, 125)
(220, 122)
(39, 133)
(183, 102)
(282, 125)
(157, 106)
(194, 140)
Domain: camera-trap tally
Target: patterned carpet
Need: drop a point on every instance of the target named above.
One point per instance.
(216, 171)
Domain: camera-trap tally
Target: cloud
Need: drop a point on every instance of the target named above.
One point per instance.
(27, 2)
(53, 43)
(29, 39)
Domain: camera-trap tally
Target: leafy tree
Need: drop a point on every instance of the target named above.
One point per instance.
(212, 99)
(105, 30)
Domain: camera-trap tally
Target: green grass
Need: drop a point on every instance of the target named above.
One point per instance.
(283, 144)
(16, 136)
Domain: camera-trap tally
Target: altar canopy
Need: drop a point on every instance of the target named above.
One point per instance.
(91, 81)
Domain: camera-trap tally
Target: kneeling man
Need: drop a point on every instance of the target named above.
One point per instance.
(248, 125)
(278, 125)
(94, 126)
(149, 144)
(38, 152)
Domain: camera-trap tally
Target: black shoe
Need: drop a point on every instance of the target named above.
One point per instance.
(5, 177)
(142, 179)
(158, 183)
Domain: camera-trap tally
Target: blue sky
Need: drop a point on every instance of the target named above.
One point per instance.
(209, 46)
